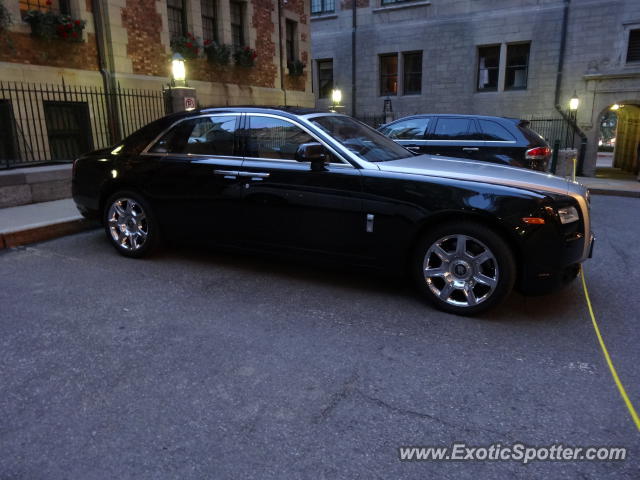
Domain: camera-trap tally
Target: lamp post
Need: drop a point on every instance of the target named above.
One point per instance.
(336, 98)
(574, 103)
(179, 97)
(178, 71)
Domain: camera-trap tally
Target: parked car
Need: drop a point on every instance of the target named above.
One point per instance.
(506, 141)
(327, 186)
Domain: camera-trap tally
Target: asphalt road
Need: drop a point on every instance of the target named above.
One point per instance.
(197, 364)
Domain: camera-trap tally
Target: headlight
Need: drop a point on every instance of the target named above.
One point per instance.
(568, 215)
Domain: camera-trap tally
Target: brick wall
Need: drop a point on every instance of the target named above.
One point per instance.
(144, 48)
(26, 49)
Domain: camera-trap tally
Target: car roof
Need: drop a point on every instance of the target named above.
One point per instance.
(287, 110)
(485, 117)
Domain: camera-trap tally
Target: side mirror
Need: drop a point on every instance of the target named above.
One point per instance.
(314, 153)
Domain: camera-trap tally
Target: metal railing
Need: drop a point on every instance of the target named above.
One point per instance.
(43, 123)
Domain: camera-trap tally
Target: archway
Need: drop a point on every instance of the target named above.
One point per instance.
(619, 141)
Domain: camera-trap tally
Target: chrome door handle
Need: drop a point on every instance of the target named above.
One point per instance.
(470, 149)
(230, 174)
(413, 147)
(254, 175)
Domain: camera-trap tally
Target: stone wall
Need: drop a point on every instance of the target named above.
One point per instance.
(449, 33)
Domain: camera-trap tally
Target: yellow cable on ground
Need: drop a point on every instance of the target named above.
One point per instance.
(614, 374)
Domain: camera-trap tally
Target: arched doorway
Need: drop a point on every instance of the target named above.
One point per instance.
(619, 141)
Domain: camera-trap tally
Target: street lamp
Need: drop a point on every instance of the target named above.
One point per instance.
(178, 71)
(615, 107)
(574, 103)
(336, 98)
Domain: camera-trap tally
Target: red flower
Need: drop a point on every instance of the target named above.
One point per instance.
(74, 34)
(254, 55)
(77, 22)
(65, 34)
(207, 43)
(189, 44)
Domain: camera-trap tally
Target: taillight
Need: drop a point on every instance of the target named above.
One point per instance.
(538, 153)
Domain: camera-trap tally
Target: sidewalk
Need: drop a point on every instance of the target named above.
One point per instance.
(40, 221)
(611, 186)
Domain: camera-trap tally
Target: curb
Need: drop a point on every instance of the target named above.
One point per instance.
(614, 193)
(45, 232)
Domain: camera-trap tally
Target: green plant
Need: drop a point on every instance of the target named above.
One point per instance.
(51, 25)
(217, 53)
(188, 46)
(245, 57)
(296, 68)
(5, 18)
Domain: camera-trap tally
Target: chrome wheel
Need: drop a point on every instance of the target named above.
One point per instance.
(460, 270)
(127, 224)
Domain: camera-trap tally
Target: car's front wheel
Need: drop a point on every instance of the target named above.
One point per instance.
(130, 224)
(463, 268)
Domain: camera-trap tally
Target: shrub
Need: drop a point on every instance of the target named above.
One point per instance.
(296, 68)
(217, 53)
(188, 46)
(51, 25)
(245, 57)
(5, 18)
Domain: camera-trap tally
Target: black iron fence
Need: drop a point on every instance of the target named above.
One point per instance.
(57, 123)
(555, 130)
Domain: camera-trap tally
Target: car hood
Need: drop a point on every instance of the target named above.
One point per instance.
(475, 171)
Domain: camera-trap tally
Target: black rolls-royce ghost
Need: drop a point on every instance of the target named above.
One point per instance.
(327, 186)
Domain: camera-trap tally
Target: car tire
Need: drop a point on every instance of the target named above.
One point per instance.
(463, 268)
(130, 224)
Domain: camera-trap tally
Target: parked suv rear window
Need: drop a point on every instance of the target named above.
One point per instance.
(452, 129)
(413, 128)
(494, 132)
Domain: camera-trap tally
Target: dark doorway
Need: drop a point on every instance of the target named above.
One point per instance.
(68, 129)
(8, 150)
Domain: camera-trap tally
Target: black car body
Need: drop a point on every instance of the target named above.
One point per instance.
(506, 141)
(325, 185)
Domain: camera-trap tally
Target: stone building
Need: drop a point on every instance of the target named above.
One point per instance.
(518, 58)
(102, 65)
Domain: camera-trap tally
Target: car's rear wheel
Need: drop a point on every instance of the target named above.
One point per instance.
(130, 224)
(463, 268)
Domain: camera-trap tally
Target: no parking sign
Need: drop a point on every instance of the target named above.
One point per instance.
(189, 103)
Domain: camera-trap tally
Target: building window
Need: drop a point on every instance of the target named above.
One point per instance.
(633, 48)
(412, 79)
(517, 66)
(237, 24)
(488, 67)
(391, 2)
(43, 5)
(319, 7)
(177, 18)
(325, 78)
(389, 74)
(209, 11)
(290, 40)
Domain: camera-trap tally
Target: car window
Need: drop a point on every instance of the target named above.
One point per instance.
(413, 128)
(452, 129)
(270, 137)
(360, 139)
(494, 132)
(200, 136)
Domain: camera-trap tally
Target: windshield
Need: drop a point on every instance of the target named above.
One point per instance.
(360, 139)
